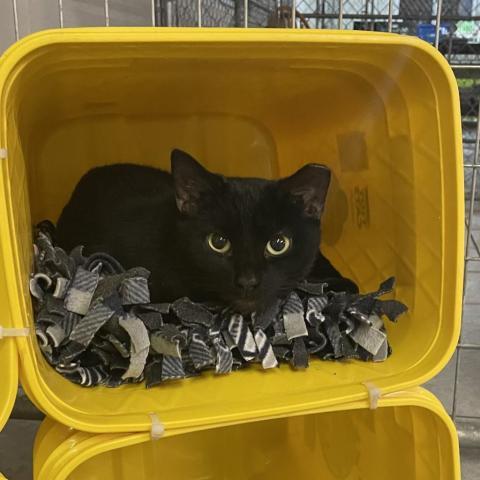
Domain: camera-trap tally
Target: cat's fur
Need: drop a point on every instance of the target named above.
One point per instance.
(147, 217)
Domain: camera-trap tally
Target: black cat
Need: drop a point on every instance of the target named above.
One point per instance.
(240, 241)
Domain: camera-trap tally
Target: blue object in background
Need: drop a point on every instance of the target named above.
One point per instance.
(426, 31)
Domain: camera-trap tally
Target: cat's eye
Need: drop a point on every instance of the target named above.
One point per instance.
(218, 243)
(278, 245)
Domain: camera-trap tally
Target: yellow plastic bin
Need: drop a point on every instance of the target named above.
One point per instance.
(381, 110)
(8, 358)
(409, 437)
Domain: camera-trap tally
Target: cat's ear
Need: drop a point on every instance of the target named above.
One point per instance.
(309, 185)
(192, 182)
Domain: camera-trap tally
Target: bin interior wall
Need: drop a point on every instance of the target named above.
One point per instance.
(394, 442)
(369, 112)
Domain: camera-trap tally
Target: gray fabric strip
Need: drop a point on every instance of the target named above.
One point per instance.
(200, 352)
(172, 368)
(370, 338)
(164, 346)
(293, 321)
(224, 362)
(315, 306)
(80, 293)
(134, 291)
(86, 328)
(61, 286)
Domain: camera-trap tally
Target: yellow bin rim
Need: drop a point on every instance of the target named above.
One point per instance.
(61, 410)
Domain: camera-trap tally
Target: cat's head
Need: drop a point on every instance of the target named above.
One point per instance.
(248, 240)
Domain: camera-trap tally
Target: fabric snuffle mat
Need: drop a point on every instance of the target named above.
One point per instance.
(96, 326)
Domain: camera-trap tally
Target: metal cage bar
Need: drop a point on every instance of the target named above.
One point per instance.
(438, 20)
(107, 13)
(60, 13)
(15, 19)
(390, 15)
(153, 13)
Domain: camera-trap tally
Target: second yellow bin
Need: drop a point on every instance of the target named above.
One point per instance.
(381, 110)
(409, 437)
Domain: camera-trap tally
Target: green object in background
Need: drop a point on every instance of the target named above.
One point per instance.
(467, 29)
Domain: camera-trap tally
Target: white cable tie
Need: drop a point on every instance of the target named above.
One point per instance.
(374, 394)
(14, 332)
(157, 429)
(3, 153)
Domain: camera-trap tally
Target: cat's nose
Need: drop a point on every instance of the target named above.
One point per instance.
(247, 281)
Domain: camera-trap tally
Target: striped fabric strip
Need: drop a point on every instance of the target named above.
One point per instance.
(293, 304)
(315, 306)
(85, 376)
(172, 368)
(80, 294)
(293, 320)
(265, 350)
(242, 336)
(91, 376)
(224, 361)
(118, 345)
(86, 328)
(334, 336)
(200, 352)
(228, 340)
(135, 291)
(84, 280)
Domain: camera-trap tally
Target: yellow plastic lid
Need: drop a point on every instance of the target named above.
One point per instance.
(381, 110)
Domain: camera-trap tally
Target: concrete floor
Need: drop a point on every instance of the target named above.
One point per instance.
(16, 444)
